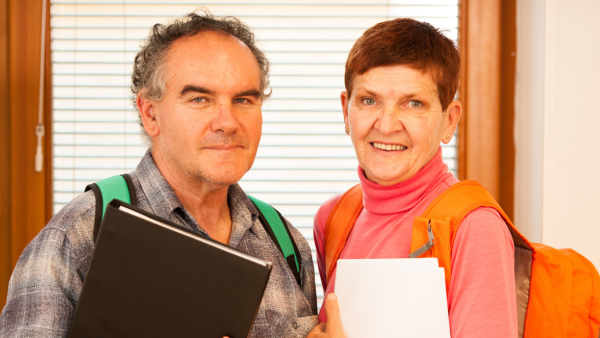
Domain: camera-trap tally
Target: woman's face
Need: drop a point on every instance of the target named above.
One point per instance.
(396, 122)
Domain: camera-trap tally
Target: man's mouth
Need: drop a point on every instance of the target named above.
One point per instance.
(388, 147)
(224, 147)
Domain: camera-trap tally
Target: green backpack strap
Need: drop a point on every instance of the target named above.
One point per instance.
(121, 187)
(118, 187)
(274, 224)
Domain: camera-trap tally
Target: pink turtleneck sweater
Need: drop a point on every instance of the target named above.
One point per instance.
(481, 297)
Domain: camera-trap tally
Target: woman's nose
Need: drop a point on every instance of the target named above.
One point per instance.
(389, 120)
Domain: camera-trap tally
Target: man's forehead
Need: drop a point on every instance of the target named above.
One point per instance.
(207, 43)
(211, 56)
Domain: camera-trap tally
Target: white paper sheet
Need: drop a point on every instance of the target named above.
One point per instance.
(392, 298)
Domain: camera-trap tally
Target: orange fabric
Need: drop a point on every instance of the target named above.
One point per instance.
(581, 296)
(448, 210)
(564, 294)
(549, 294)
(442, 247)
(594, 309)
(338, 228)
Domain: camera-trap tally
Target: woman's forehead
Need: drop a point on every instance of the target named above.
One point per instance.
(395, 80)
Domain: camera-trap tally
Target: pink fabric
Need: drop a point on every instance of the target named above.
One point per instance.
(481, 297)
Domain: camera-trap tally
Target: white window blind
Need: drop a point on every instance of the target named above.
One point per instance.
(304, 155)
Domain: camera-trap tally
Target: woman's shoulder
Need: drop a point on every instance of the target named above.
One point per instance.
(325, 209)
(484, 223)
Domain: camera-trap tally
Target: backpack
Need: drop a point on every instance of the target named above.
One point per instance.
(121, 187)
(558, 290)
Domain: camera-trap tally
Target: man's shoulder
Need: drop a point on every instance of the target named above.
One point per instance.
(77, 213)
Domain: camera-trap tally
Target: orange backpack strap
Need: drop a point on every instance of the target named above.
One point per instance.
(443, 218)
(339, 224)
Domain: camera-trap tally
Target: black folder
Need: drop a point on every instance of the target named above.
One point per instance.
(149, 277)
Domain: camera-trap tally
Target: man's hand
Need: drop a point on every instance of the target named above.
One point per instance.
(333, 327)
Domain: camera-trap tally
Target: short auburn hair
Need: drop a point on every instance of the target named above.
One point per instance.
(408, 42)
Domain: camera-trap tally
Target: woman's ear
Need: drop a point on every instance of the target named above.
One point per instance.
(453, 113)
(147, 109)
(345, 105)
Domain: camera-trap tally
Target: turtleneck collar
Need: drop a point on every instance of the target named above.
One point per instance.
(404, 195)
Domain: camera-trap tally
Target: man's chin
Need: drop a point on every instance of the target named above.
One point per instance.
(223, 177)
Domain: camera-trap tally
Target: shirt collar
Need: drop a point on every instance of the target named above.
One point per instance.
(161, 196)
(243, 214)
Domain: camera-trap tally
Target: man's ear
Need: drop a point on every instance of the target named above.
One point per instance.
(147, 109)
(453, 116)
(345, 105)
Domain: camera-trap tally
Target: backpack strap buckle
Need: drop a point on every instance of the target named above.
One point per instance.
(425, 246)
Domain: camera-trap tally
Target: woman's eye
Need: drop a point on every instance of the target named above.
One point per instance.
(369, 102)
(415, 104)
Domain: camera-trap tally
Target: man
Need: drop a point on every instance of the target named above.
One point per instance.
(199, 85)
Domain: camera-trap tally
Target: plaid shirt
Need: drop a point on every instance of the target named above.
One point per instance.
(47, 281)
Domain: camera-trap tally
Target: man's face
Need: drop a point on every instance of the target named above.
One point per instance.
(209, 123)
(396, 122)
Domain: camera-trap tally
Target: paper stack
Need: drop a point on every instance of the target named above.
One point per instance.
(392, 298)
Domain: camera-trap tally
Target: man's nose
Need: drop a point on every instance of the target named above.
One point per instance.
(224, 119)
(389, 120)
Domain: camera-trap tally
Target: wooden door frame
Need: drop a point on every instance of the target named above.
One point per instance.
(26, 201)
(487, 40)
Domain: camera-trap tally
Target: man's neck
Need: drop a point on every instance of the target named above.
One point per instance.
(206, 202)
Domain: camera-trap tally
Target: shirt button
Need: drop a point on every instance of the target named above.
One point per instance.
(295, 325)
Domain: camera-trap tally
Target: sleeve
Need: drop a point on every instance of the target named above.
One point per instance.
(43, 289)
(307, 272)
(46, 283)
(319, 235)
(481, 297)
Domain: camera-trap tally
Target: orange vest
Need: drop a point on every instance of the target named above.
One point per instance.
(558, 291)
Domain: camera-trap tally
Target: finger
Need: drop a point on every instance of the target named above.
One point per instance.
(332, 309)
(317, 330)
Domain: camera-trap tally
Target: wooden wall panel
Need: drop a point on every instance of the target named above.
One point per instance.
(5, 252)
(28, 193)
(479, 138)
(507, 106)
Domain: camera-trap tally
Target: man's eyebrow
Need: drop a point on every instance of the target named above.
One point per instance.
(198, 89)
(249, 92)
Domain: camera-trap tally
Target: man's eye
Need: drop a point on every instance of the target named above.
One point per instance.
(369, 102)
(241, 100)
(198, 99)
(415, 104)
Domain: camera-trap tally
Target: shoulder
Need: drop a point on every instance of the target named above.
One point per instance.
(485, 217)
(484, 225)
(300, 239)
(324, 211)
(81, 209)
(68, 234)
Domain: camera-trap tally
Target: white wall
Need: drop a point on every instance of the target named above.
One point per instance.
(557, 124)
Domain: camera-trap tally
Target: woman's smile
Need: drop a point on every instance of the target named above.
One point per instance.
(388, 147)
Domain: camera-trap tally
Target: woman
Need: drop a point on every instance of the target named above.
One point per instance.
(401, 78)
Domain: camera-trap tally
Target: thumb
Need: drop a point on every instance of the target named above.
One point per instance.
(332, 309)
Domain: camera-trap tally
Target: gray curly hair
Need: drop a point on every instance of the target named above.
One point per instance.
(149, 71)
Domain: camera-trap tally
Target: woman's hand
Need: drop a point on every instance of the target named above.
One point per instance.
(333, 327)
